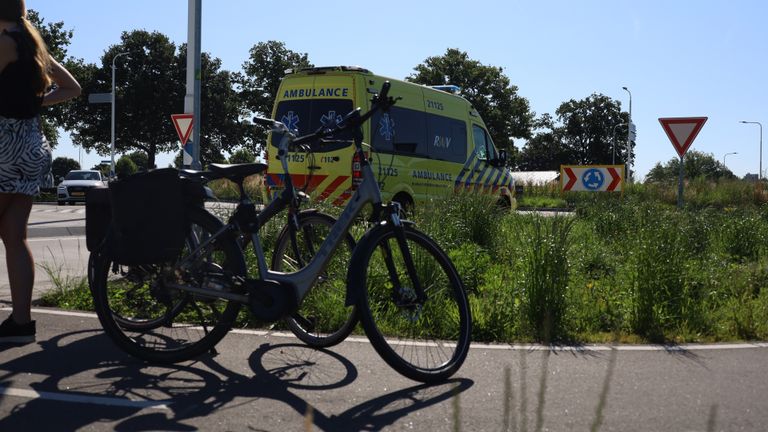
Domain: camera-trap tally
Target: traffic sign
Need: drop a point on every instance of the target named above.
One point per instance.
(592, 178)
(682, 131)
(183, 125)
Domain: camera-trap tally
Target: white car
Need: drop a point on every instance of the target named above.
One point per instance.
(76, 183)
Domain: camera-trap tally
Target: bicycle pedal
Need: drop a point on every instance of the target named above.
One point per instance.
(270, 300)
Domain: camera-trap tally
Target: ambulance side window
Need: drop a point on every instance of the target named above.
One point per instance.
(401, 131)
(447, 138)
(481, 142)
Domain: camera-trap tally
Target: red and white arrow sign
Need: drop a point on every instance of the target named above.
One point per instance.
(592, 178)
(183, 124)
(682, 131)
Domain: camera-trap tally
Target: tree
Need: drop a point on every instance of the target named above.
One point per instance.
(545, 151)
(62, 165)
(57, 39)
(506, 114)
(696, 164)
(263, 72)
(587, 130)
(125, 167)
(150, 86)
(139, 159)
(242, 156)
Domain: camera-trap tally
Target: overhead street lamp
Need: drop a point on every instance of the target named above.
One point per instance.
(759, 173)
(112, 147)
(629, 138)
(728, 154)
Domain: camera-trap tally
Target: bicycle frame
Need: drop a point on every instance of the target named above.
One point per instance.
(367, 192)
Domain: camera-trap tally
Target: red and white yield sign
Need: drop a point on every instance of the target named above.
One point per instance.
(592, 178)
(183, 125)
(682, 131)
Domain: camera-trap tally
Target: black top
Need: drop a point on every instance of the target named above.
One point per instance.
(18, 98)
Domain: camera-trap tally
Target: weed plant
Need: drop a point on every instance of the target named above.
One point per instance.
(629, 267)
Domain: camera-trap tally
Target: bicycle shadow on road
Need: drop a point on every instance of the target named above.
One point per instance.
(78, 375)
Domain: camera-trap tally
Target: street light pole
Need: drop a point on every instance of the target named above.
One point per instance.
(728, 154)
(629, 138)
(759, 173)
(613, 161)
(112, 147)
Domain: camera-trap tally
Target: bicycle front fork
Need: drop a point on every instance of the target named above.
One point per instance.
(410, 294)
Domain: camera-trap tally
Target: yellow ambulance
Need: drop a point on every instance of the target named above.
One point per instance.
(431, 143)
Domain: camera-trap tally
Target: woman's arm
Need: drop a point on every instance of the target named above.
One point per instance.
(66, 85)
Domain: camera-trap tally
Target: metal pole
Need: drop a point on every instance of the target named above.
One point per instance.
(192, 98)
(629, 142)
(112, 146)
(680, 186)
(613, 161)
(728, 154)
(760, 172)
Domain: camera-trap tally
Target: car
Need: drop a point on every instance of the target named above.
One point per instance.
(76, 183)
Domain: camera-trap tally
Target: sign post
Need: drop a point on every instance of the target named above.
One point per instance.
(681, 131)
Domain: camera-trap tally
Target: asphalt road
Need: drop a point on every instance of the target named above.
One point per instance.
(74, 378)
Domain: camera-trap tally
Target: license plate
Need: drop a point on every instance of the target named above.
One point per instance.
(78, 193)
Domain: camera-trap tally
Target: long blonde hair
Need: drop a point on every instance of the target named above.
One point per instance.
(15, 10)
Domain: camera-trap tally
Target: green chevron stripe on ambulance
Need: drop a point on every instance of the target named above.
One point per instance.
(431, 143)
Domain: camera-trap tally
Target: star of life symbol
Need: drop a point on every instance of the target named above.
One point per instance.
(330, 120)
(387, 127)
(291, 121)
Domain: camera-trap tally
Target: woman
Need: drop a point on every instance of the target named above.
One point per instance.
(27, 73)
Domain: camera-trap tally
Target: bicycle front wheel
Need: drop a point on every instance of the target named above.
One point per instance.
(323, 319)
(426, 339)
(147, 313)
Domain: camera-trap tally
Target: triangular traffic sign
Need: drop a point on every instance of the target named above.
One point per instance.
(682, 131)
(183, 125)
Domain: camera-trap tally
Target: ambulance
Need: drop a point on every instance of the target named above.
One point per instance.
(429, 144)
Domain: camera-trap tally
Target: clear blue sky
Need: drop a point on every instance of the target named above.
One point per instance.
(678, 58)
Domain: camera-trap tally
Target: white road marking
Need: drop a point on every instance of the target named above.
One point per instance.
(82, 398)
(47, 239)
(475, 345)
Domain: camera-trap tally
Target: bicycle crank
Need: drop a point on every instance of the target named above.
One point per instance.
(270, 300)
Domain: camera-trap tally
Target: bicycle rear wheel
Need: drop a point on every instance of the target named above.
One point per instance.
(323, 319)
(425, 340)
(144, 311)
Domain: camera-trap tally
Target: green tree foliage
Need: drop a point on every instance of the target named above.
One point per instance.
(696, 165)
(262, 72)
(545, 151)
(586, 132)
(242, 156)
(139, 159)
(62, 165)
(506, 114)
(125, 167)
(587, 129)
(57, 40)
(150, 85)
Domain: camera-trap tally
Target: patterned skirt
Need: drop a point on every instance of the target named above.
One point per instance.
(25, 157)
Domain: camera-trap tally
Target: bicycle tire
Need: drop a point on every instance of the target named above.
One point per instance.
(412, 337)
(191, 324)
(328, 294)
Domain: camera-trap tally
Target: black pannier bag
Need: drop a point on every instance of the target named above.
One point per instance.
(97, 217)
(148, 218)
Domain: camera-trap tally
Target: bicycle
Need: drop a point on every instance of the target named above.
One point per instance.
(409, 297)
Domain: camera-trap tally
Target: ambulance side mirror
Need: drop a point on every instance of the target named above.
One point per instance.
(501, 160)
